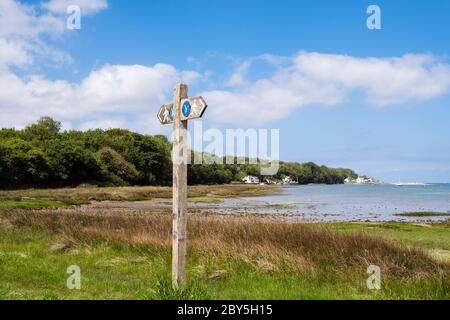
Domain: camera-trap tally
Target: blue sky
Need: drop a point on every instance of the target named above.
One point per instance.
(341, 94)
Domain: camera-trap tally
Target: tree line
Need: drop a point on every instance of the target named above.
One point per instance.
(42, 155)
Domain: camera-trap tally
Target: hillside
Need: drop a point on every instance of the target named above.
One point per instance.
(43, 155)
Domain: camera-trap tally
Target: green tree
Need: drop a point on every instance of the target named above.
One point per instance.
(45, 128)
(41, 154)
(114, 164)
(21, 163)
(70, 163)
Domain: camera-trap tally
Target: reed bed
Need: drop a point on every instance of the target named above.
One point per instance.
(270, 244)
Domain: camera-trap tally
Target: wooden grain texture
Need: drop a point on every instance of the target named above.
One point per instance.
(179, 158)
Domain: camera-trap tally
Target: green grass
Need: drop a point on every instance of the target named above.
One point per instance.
(434, 238)
(31, 204)
(163, 290)
(29, 269)
(422, 214)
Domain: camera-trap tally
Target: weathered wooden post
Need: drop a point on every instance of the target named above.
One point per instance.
(178, 113)
(179, 185)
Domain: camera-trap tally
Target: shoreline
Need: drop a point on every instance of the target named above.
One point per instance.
(274, 202)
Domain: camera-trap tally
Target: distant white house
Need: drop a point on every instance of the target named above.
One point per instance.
(349, 180)
(287, 180)
(362, 180)
(251, 180)
(365, 180)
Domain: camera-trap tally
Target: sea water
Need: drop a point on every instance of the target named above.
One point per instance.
(351, 202)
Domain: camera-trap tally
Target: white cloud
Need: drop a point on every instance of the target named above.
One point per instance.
(22, 27)
(87, 6)
(111, 96)
(21, 31)
(129, 95)
(13, 53)
(237, 79)
(135, 92)
(105, 93)
(385, 80)
(22, 20)
(328, 80)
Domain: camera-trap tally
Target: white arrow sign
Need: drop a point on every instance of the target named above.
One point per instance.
(165, 114)
(191, 108)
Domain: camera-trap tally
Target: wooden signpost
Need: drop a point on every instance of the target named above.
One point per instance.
(179, 112)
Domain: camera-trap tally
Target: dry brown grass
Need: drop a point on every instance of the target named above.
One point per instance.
(85, 195)
(268, 244)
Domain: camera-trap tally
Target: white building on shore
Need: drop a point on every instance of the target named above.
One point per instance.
(288, 180)
(251, 180)
(361, 180)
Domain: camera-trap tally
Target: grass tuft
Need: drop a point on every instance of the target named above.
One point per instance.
(163, 290)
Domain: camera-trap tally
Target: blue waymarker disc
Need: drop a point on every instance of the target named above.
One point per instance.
(186, 109)
(171, 113)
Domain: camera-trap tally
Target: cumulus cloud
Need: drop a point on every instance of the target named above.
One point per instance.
(328, 80)
(22, 28)
(110, 96)
(20, 20)
(13, 53)
(112, 90)
(386, 81)
(129, 95)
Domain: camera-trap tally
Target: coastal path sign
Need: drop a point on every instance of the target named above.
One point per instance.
(192, 108)
(179, 113)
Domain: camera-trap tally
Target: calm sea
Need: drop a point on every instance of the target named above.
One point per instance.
(351, 202)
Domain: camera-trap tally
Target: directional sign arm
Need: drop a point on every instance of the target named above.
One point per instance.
(193, 108)
(165, 114)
